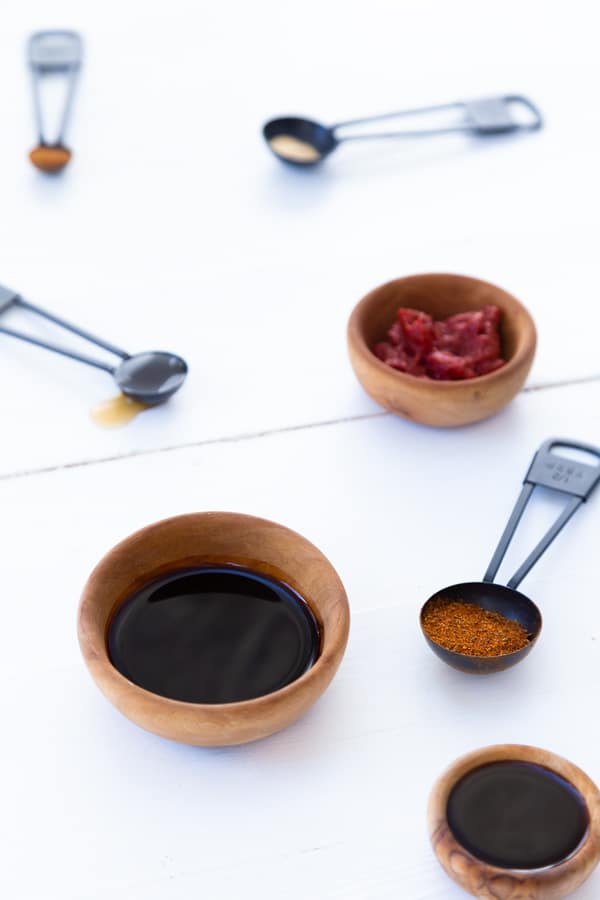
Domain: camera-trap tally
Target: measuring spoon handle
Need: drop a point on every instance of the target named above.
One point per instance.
(75, 329)
(419, 113)
(507, 534)
(54, 53)
(482, 116)
(63, 351)
(558, 473)
(569, 510)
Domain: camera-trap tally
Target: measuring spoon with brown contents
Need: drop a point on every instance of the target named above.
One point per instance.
(304, 142)
(53, 53)
(550, 470)
(150, 377)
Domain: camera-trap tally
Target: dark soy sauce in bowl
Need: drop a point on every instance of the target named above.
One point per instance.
(517, 815)
(214, 635)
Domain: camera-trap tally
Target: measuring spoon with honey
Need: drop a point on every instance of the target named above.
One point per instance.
(150, 378)
(304, 142)
(481, 627)
(52, 55)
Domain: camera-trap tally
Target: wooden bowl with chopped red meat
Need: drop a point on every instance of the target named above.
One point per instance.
(440, 349)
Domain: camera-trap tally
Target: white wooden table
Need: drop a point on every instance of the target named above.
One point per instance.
(174, 228)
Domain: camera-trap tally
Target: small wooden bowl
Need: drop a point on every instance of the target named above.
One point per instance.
(492, 882)
(213, 538)
(441, 403)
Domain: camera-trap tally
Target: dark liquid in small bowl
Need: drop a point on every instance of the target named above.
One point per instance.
(214, 635)
(517, 815)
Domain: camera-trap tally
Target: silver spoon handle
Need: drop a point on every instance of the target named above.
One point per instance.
(54, 53)
(68, 106)
(412, 133)
(37, 108)
(485, 116)
(399, 114)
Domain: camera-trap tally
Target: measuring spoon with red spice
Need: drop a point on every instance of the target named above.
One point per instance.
(550, 470)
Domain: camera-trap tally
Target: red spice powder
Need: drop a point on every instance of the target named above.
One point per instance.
(467, 628)
(462, 346)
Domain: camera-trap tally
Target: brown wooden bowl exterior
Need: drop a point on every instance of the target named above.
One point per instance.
(213, 538)
(494, 883)
(440, 403)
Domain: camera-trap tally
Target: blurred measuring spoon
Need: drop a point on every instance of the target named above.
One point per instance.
(151, 377)
(304, 142)
(52, 53)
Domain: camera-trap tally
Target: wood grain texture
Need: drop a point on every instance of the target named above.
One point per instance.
(213, 538)
(440, 403)
(490, 882)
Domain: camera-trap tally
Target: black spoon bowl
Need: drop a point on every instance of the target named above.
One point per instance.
(299, 142)
(494, 598)
(151, 377)
(550, 470)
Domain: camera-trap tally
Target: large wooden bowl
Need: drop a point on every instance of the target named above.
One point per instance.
(441, 403)
(215, 538)
(492, 882)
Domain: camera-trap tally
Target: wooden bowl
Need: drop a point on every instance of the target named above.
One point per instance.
(491, 882)
(441, 403)
(213, 538)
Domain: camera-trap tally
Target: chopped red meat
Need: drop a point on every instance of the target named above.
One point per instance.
(417, 330)
(445, 366)
(398, 358)
(462, 346)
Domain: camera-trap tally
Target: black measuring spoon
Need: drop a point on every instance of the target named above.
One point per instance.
(304, 142)
(550, 470)
(150, 377)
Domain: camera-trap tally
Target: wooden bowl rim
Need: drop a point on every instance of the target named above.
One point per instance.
(333, 639)
(356, 336)
(438, 802)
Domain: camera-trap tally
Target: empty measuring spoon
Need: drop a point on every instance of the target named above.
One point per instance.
(53, 53)
(550, 470)
(150, 377)
(304, 142)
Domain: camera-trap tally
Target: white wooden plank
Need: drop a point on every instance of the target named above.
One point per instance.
(175, 228)
(334, 806)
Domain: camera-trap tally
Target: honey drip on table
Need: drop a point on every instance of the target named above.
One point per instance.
(117, 411)
(294, 149)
